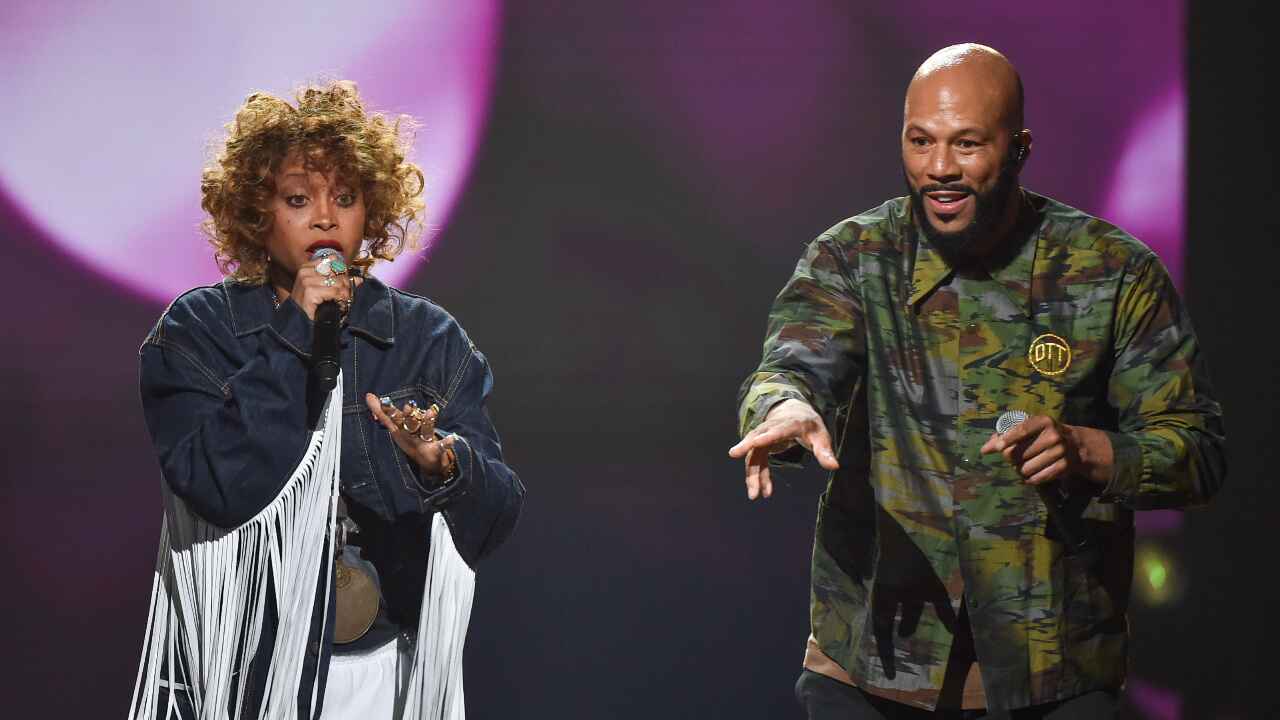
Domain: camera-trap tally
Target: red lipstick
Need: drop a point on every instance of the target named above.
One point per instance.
(323, 244)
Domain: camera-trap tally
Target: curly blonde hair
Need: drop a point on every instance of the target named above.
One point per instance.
(330, 127)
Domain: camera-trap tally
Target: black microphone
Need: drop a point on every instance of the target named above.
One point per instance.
(325, 341)
(1055, 500)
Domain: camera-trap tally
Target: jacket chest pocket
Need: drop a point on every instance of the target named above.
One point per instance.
(1068, 354)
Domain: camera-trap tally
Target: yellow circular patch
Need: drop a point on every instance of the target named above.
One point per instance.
(1049, 354)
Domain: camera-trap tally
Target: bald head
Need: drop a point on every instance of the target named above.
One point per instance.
(973, 72)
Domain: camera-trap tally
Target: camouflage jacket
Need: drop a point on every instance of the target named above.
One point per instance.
(910, 364)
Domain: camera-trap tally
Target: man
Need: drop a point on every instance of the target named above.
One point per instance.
(957, 568)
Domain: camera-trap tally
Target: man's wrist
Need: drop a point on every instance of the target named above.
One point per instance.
(1094, 454)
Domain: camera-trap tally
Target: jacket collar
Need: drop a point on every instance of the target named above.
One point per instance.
(929, 270)
(372, 314)
(1012, 269)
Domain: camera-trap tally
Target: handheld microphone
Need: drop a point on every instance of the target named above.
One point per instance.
(1055, 502)
(326, 336)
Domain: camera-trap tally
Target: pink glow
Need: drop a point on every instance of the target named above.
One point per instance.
(1149, 523)
(1155, 703)
(120, 100)
(1147, 196)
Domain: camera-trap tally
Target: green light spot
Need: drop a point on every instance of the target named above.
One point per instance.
(1157, 574)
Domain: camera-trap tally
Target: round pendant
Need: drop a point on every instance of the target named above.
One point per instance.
(356, 603)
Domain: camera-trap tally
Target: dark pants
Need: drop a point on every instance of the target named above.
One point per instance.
(827, 699)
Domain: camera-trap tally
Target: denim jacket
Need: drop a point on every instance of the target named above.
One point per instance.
(223, 381)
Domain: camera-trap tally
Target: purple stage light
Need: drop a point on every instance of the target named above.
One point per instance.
(1148, 184)
(1155, 703)
(110, 117)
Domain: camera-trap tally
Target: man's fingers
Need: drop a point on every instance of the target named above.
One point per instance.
(991, 445)
(753, 478)
(759, 481)
(744, 445)
(816, 440)
(1049, 473)
(1036, 462)
(819, 443)
(1018, 433)
(1033, 445)
(761, 437)
(1047, 438)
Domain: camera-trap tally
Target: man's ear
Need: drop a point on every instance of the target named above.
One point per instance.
(1021, 146)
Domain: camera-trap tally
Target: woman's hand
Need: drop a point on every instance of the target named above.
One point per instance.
(313, 285)
(414, 431)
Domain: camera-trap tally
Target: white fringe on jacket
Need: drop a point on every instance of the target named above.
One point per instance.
(210, 591)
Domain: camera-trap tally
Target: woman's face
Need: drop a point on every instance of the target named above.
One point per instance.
(312, 210)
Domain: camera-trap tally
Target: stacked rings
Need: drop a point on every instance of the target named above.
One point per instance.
(413, 422)
(331, 266)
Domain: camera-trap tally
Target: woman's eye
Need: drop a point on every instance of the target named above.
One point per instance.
(296, 200)
(346, 199)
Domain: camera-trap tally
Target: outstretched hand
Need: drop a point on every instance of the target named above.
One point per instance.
(790, 422)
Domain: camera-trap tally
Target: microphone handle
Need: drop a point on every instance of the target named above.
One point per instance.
(324, 351)
(1076, 544)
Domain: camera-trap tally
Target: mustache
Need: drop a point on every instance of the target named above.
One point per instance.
(949, 187)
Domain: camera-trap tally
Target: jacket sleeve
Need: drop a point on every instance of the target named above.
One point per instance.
(483, 500)
(1170, 448)
(226, 444)
(815, 347)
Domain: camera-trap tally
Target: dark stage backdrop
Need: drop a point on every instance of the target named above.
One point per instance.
(644, 177)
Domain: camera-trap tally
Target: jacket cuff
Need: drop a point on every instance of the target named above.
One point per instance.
(1127, 471)
(436, 495)
(757, 404)
(293, 328)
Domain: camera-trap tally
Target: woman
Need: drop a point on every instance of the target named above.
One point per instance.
(225, 378)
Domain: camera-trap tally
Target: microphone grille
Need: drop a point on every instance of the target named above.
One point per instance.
(1008, 420)
(323, 253)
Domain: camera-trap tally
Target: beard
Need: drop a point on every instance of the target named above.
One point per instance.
(989, 211)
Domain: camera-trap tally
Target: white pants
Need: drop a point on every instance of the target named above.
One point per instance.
(369, 684)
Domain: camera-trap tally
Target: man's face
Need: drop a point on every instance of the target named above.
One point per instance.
(957, 153)
(312, 210)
